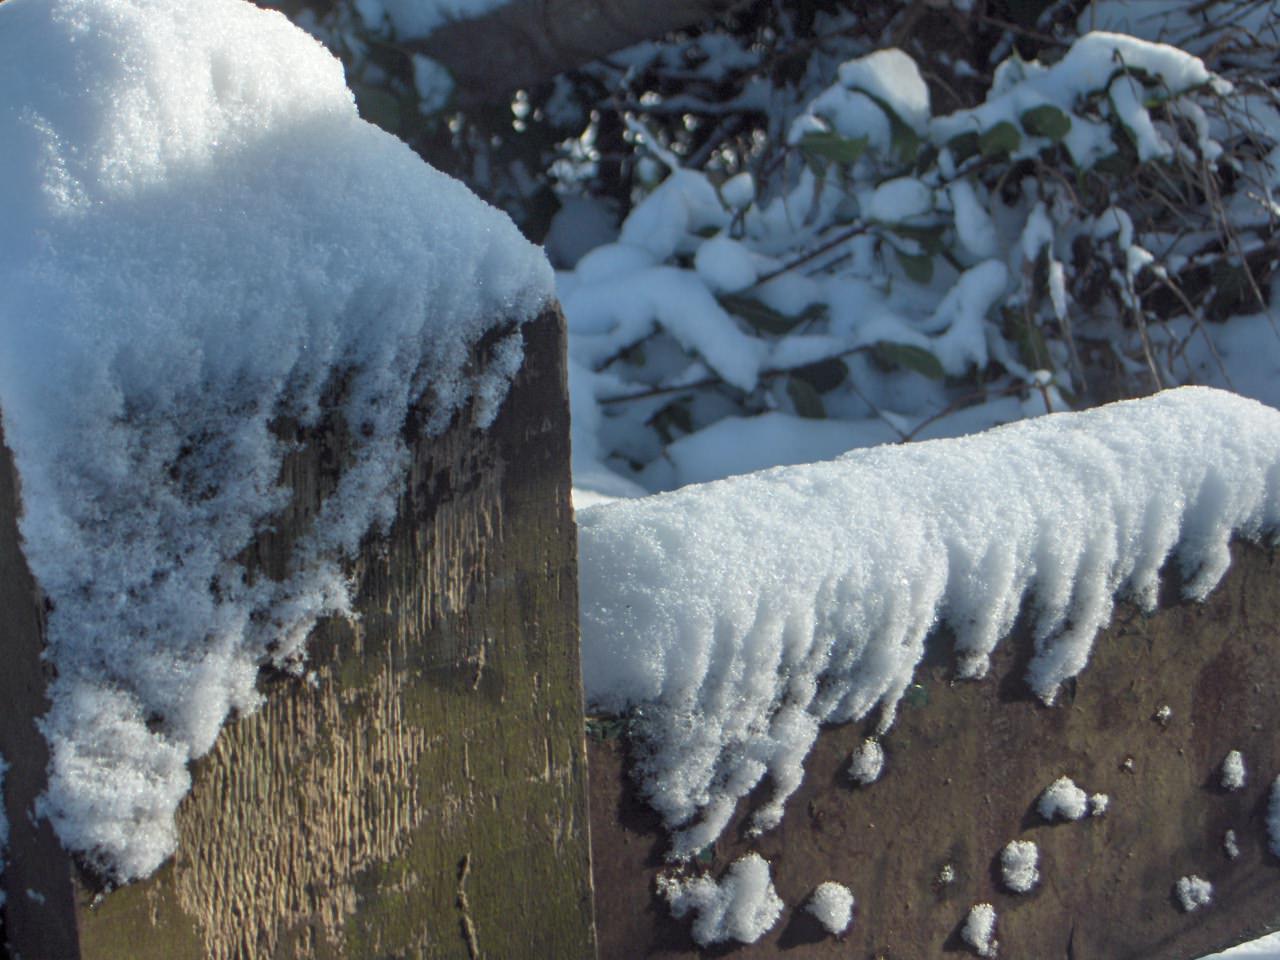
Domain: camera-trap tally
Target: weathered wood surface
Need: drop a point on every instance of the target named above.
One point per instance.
(966, 763)
(425, 795)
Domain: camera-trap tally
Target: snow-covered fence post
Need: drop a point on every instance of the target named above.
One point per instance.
(288, 644)
(424, 794)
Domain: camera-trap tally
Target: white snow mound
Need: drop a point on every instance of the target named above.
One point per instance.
(743, 906)
(740, 614)
(198, 237)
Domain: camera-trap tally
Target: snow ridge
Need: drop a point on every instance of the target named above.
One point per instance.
(737, 616)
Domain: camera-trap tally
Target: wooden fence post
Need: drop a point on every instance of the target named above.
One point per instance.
(425, 795)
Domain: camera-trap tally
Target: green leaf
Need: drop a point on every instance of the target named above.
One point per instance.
(832, 146)
(963, 146)
(377, 106)
(762, 317)
(823, 375)
(910, 358)
(917, 267)
(928, 238)
(1002, 138)
(805, 399)
(1046, 121)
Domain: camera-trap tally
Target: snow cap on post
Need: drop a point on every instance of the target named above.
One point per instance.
(200, 237)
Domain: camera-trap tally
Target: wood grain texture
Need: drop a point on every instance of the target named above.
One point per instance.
(422, 793)
(966, 763)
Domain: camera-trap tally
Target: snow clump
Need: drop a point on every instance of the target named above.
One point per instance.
(1234, 773)
(1193, 893)
(832, 903)
(741, 614)
(1230, 845)
(979, 930)
(1063, 800)
(201, 241)
(743, 906)
(1019, 865)
(867, 762)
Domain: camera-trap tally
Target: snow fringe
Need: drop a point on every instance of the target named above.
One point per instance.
(732, 618)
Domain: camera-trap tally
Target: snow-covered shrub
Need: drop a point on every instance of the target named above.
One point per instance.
(1091, 214)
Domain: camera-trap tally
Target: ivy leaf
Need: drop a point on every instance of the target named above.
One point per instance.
(764, 318)
(806, 399)
(928, 238)
(832, 146)
(910, 358)
(823, 375)
(1002, 138)
(1046, 121)
(917, 267)
(963, 146)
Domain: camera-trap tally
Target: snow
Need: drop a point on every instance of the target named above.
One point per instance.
(740, 614)
(1063, 800)
(414, 19)
(979, 930)
(1193, 893)
(1234, 774)
(743, 906)
(867, 762)
(1019, 865)
(832, 904)
(892, 78)
(1230, 845)
(201, 238)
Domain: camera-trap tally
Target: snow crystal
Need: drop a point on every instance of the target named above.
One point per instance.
(1193, 893)
(979, 930)
(1273, 818)
(743, 906)
(723, 608)
(1233, 771)
(1019, 865)
(1230, 845)
(867, 762)
(1063, 800)
(201, 238)
(832, 904)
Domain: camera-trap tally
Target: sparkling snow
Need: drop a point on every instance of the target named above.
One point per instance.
(1193, 893)
(1063, 800)
(1019, 865)
(979, 930)
(202, 237)
(832, 904)
(1234, 774)
(740, 614)
(867, 762)
(743, 906)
